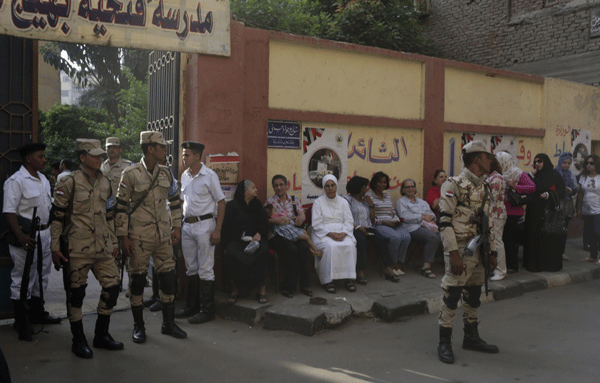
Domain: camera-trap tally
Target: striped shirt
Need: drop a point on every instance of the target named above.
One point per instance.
(360, 212)
(384, 208)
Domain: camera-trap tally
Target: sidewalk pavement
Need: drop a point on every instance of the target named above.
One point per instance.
(385, 300)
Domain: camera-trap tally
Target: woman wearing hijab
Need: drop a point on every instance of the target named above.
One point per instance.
(566, 204)
(519, 180)
(543, 252)
(245, 221)
(332, 234)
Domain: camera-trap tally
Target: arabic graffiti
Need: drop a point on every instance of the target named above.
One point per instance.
(40, 14)
(379, 154)
(524, 154)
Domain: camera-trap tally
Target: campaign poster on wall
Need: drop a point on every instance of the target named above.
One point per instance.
(581, 147)
(325, 151)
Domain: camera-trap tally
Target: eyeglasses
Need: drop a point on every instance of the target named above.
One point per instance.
(538, 161)
(589, 163)
(410, 187)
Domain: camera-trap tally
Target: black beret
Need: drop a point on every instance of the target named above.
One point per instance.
(31, 148)
(193, 145)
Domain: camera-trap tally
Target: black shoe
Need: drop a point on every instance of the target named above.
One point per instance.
(80, 345)
(102, 338)
(472, 341)
(192, 305)
(139, 331)
(207, 304)
(391, 278)
(22, 324)
(306, 291)
(287, 294)
(445, 347)
(38, 315)
(150, 301)
(168, 326)
(156, 306)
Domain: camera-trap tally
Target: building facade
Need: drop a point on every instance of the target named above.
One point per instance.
(550, 38)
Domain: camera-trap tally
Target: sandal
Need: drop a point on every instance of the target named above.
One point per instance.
(261, 298)
(287, 294)
(330, 288)
(426, 272)
(350, 286)
(588, 259)
(306, 291)
(233, 298)
(361, 280)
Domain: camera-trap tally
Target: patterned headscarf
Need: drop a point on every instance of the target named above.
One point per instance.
(567, 175)
(509, 170)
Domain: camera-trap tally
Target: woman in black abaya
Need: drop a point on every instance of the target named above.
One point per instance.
(543, 252)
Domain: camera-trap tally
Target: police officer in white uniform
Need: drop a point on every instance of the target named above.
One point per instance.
(200, 192)
(24, 190)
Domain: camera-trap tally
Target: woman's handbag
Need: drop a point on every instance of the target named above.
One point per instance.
(567, 208)
(517, 199)
(553, 221)
(430, 225)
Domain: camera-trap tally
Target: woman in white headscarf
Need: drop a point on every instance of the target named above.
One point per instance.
(519, 180)
(333, 225)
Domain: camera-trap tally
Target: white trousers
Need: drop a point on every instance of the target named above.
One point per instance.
(198, 253)
(18, 255)
(498, 230)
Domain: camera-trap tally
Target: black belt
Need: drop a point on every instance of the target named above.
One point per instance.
(43, 227)
(197, 219)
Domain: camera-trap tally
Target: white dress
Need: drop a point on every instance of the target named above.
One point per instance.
(339, 258)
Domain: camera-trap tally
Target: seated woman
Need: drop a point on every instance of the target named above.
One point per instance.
(245, 217)
(291, 232)
(419, 221)
(332, 233)
(363, 212)
(387, 222)
(434, 193)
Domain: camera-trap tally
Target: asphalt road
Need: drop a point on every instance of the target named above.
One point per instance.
(547, 336)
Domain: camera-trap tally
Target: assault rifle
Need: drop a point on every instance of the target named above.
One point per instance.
(35, 222)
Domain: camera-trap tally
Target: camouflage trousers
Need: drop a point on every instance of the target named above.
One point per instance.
(164, 261)
(106, 272)
(466, 286)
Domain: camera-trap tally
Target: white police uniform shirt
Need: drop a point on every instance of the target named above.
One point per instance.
(199, 193)
(23, 192)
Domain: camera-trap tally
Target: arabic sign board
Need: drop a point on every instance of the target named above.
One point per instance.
(193, 26)
(283, 135)
(226, 167)
(595, 22)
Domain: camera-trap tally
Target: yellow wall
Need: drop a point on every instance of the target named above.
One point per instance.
(309, 78)
(474, 98)
(406, 164)
(569, 106)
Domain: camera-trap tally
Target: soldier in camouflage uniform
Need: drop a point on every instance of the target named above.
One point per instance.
(79, 208)
(114, 165)
(461, 201)
(143, 226)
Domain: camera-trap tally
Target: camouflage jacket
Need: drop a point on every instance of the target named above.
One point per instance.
(113, 172)
(461, 198)
(80, 204)
(152, 216)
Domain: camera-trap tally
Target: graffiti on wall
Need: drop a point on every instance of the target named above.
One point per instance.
(576, 141)
(381, 153)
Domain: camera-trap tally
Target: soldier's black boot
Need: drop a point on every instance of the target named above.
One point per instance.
(139, 331)
(207, 304)
(192, 304)
(22, 324)
(168, 326)
(445, 347)
(80, 345)
(472, 341)
(38, 315)
(102, 338)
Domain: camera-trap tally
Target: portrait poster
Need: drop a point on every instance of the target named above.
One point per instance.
(325, 151)
(581, 147)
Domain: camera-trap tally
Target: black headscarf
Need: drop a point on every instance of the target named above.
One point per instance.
(547, 177)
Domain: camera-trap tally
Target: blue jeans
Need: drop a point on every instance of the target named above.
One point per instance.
(591, 231)
(399, 239)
